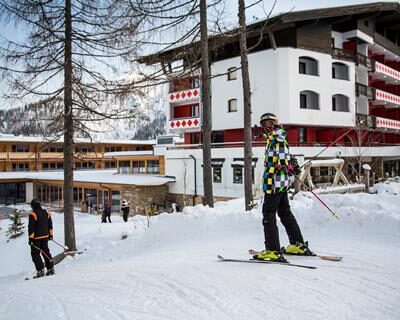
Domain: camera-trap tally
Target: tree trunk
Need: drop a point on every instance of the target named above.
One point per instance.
(206, 102)
(69, 225)
(248, 166)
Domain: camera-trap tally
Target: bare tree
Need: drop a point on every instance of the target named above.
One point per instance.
(248, 165)
(70, 53)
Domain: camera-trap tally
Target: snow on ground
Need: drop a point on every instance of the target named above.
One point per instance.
(170, 270)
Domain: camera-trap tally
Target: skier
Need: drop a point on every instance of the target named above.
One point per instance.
(125, 210)
(40, 230)
(279, 167)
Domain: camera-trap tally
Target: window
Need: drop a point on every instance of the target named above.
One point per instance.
(217, 137)
(194, 110)
(84, 165)
(308, 66)
(195, 138)
(340, 103)
(53, 149)
(217, 174)
(23, 166)
(139, 167)
(309, 100)
(302, 135)
(340, 71)
(232, 73)
(52, 166)
(20, 148)
(110, 164)
(112, 149)
(124, 167)
(324, 171)
(232, 105)
(84, 149)
(237, 174)
(153, 166)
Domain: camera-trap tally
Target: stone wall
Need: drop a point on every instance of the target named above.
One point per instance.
(144, 198)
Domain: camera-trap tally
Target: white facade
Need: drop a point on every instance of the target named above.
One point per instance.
(276, 85)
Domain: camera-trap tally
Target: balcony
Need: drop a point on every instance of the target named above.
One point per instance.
(3, 156)
(184, 124)
(351, 56)
(51, 155)
(384, 73)
(387, 123)
(21, 156)
(185, 96)
(383, 97)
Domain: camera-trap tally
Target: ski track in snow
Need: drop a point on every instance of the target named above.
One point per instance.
(170, 271)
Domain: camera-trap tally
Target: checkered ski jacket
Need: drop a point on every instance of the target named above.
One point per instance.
(277, 170)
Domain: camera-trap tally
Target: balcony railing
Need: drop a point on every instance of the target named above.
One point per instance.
(386, 70)
(184, 123)
(184, 96)
(387, 97)
(387, 123)
(351, 56)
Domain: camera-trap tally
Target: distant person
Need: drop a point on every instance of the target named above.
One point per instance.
(40, 231)
(106, 214)
(279, 168)
(125, 210)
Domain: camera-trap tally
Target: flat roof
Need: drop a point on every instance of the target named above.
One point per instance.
(91, 176)
(27, 139)
(117, 154)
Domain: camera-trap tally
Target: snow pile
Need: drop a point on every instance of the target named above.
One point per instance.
(388, 187)
(166, 268)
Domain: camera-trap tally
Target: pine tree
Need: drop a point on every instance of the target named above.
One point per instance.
(16, 228)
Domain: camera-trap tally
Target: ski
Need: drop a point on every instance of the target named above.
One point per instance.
(34, 277)
(221, 258)
(323, 257)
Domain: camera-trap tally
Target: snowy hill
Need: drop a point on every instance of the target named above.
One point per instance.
(169, 270)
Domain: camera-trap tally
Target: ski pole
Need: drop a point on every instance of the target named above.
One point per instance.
(320, 200)
(64, 247)
(323, 150)
(42, 252)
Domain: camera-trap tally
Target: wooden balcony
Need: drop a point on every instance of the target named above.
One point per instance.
(21, 156)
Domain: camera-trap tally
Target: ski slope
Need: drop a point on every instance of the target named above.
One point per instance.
(170, 271)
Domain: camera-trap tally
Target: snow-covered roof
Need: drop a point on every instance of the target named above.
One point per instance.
(127, 153)
(94, 176)
(13, 138)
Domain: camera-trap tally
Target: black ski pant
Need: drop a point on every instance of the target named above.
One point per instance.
(125, 217)
(273, 203)
(41, 244)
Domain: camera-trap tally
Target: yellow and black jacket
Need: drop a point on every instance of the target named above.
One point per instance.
(40, 224)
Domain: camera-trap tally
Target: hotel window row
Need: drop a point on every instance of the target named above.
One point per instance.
(310, 100)
(309, 66)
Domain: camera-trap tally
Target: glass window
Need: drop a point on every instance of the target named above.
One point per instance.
(237, 174)
(302, 135)
(340, 71)
(217, 137)
(217, 174)
(232, 73)
(232, 105)
(110, 164)
(340, 103)
(309, 100)
(153, 166)
(20, 148)
(308, 65)
(194, 110)
(20, 166)
(125, 167)
(139, 167)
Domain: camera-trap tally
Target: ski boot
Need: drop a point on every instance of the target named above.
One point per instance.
(50, 272)
(300, 249)
(274, 256)
(39, 274)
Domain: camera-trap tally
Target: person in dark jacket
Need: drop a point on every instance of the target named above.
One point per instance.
(40, 231)
(279, 171)
(106, 214)
(125, 210)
